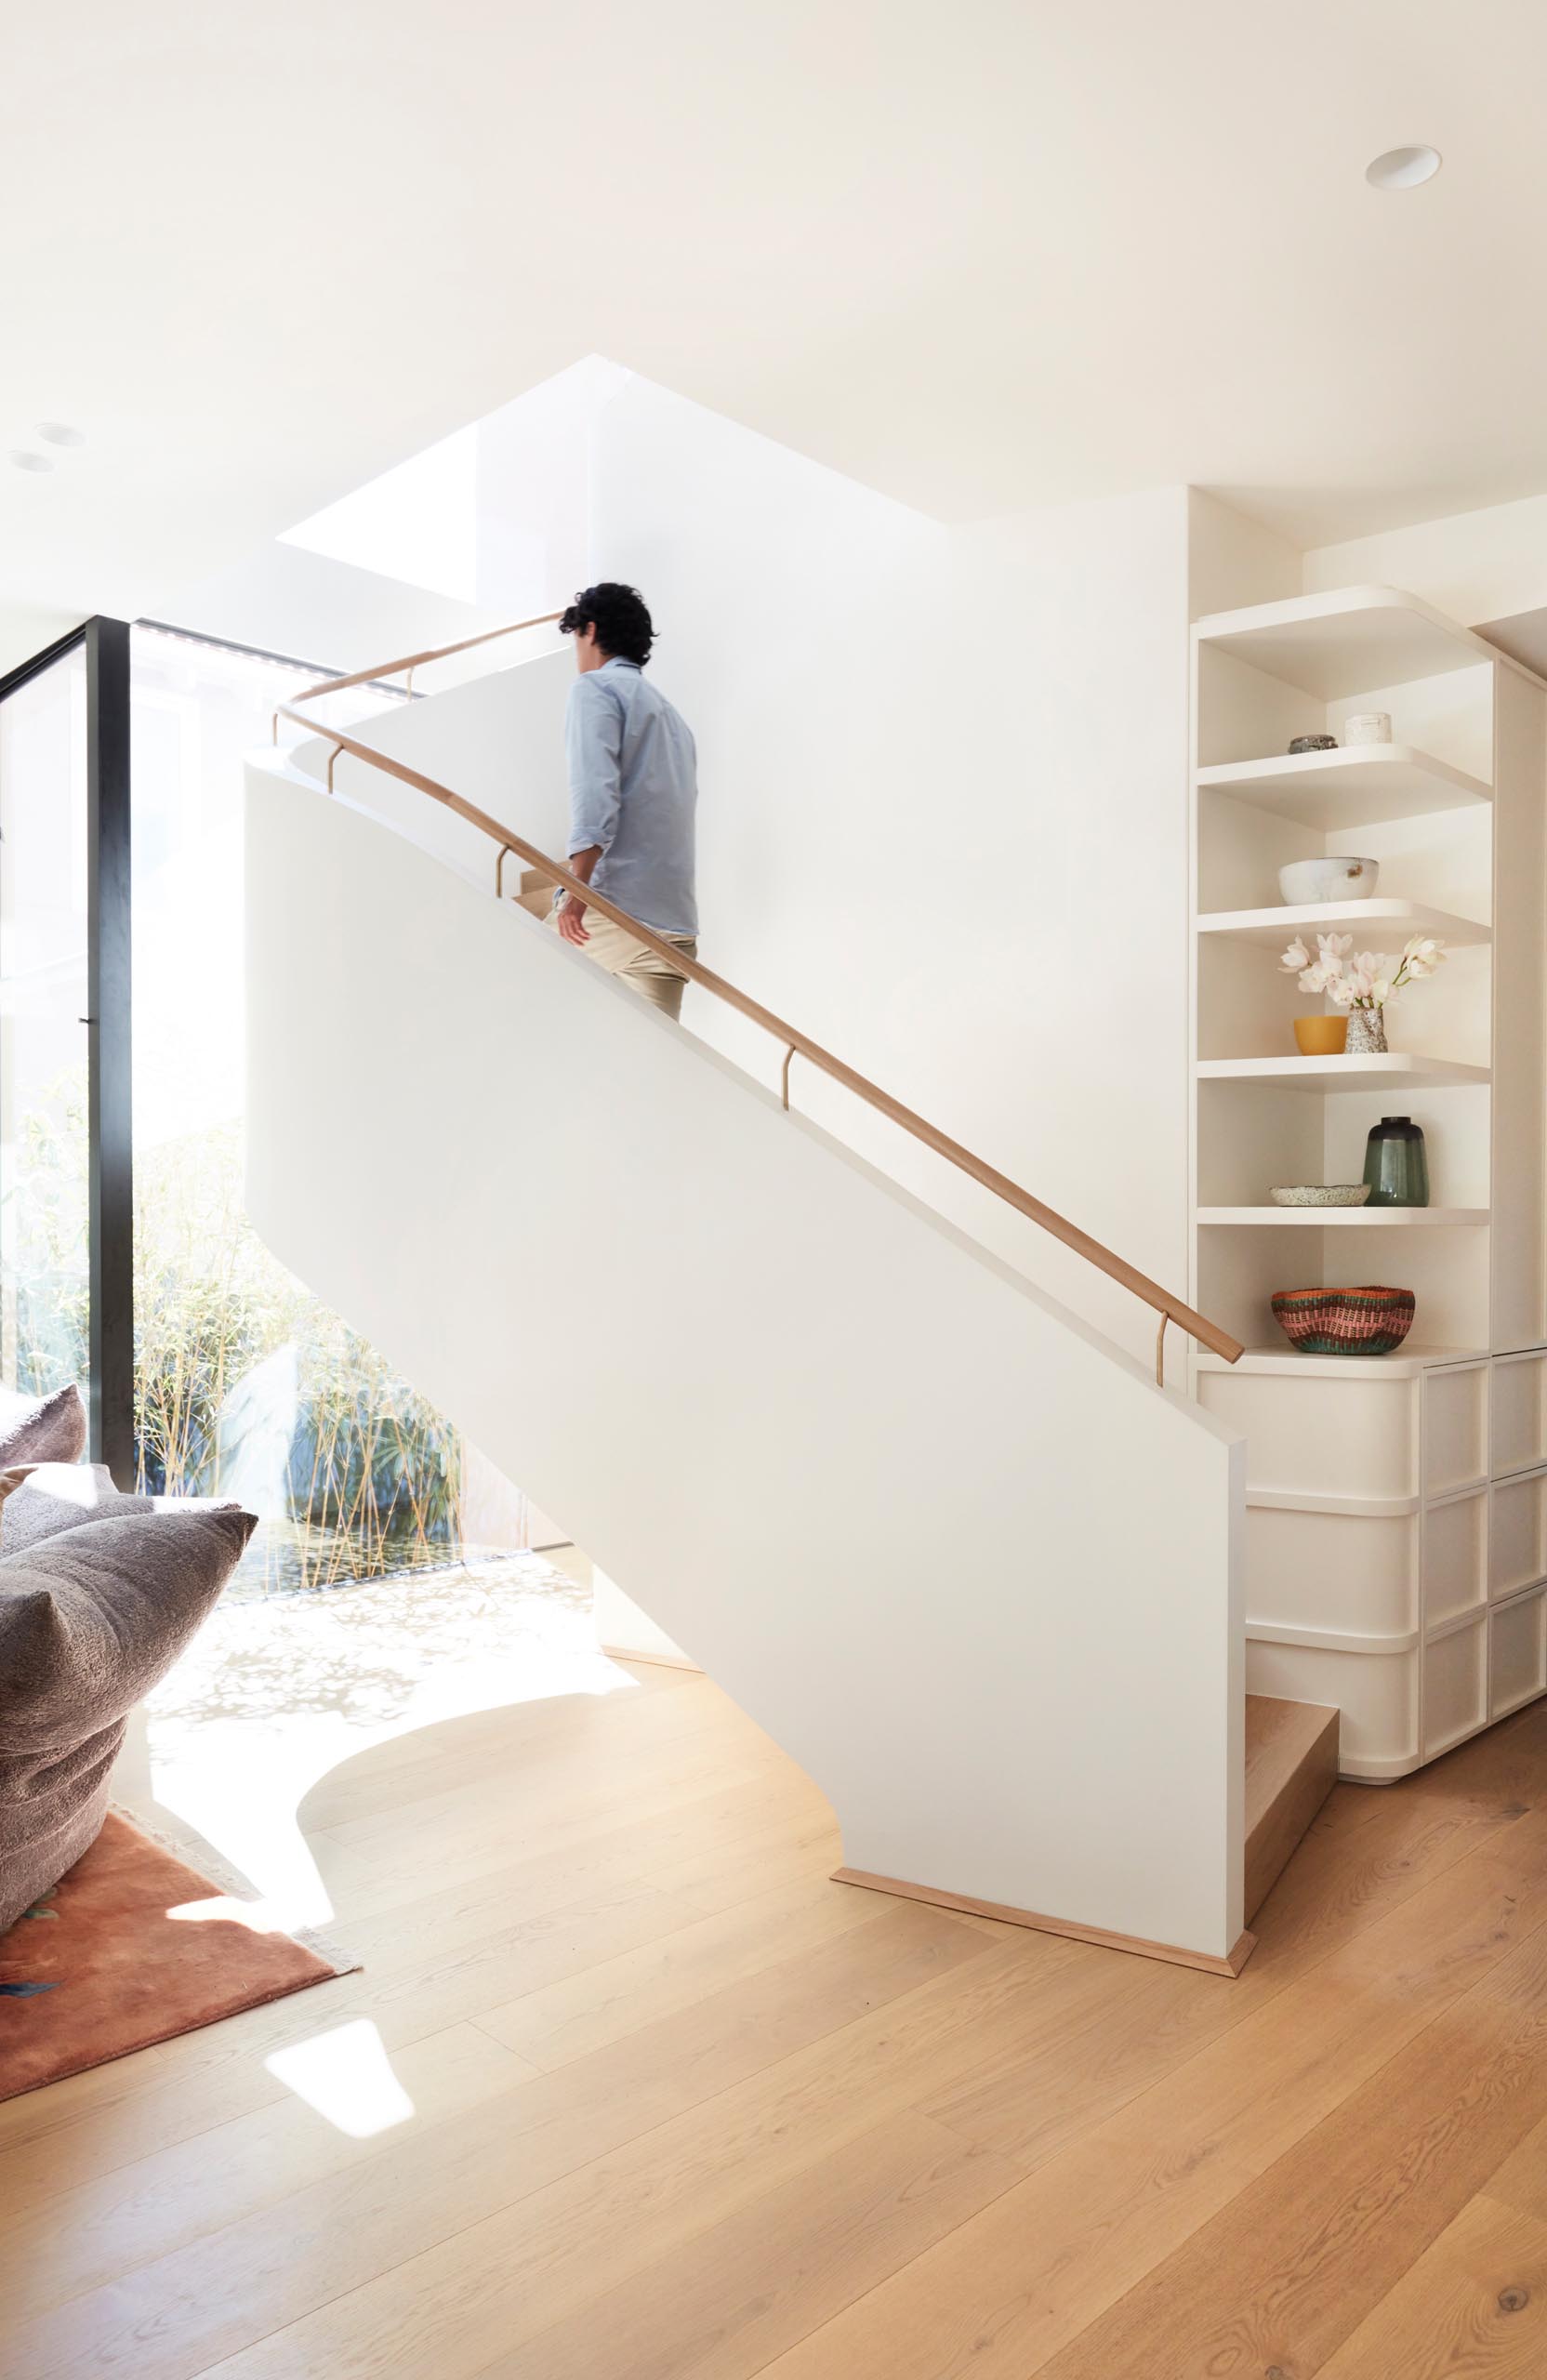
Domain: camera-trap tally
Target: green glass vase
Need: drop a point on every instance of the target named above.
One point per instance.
(1396, 1163)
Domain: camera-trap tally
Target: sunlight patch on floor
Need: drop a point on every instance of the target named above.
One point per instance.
(274, 1694)
(347, 2076)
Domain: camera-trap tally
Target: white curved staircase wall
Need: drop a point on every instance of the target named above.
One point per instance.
(953, 1551)
(499, 740)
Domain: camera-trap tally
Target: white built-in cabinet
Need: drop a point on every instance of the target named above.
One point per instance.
(1397, 1530)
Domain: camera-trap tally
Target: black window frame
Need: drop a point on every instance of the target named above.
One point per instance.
(108, 1020)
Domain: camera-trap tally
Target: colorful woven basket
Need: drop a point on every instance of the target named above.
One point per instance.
(1345, 1322)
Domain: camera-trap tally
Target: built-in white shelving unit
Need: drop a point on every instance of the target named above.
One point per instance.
(1397, 1505)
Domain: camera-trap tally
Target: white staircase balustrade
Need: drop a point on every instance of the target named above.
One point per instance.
(956, 1552)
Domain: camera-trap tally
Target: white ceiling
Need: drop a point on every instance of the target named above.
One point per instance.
(993, 255)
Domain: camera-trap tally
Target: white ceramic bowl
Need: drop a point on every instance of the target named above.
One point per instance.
(1307, 881)
(1319, 1194)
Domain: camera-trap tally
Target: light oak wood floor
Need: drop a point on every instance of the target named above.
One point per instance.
(628, 2090)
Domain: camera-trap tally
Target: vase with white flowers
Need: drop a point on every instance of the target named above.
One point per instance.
(1361, 983)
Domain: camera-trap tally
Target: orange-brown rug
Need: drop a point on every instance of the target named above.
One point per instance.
(105, 1963)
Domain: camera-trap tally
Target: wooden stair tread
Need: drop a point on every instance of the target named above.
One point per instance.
(1291, 1765)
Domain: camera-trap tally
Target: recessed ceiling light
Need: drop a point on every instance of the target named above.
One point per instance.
(26, 462)
(1403, 168)
(59, 433)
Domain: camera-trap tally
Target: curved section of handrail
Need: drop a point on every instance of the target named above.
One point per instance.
(412, 661)
(1171, 1309)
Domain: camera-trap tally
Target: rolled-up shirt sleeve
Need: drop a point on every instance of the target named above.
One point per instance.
(593, 746)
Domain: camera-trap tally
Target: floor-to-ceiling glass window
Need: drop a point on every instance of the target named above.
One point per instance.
(245, 1385)
(45, 1237)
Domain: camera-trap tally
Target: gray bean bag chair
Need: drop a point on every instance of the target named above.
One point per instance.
(92, 1614)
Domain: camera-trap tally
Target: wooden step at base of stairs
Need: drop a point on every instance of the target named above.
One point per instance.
(1291, 1765)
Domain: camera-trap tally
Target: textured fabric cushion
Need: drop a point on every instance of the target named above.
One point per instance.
(90, 1620)
(61, 1495)
(41, 1429)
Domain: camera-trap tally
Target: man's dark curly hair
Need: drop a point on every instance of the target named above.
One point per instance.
(624, 627)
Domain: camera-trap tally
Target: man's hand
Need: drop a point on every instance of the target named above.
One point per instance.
(571, 921)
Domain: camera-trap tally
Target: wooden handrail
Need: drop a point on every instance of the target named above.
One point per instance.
(412, 661)
(1207, 1333)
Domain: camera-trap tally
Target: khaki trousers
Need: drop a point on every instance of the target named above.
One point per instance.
(632, 963)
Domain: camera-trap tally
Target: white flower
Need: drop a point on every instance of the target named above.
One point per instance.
(1342, 991)
(1381, 991)
(1334, 947)
(1295, 957)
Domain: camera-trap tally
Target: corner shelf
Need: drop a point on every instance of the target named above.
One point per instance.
(1273, 928)
(1346, 641)
(1405, 1362)
(1398, 1070)
(1346, 1218)
(1361, 785)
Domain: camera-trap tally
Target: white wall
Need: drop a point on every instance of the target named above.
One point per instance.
(1476, 567)
(421, 556)
(309, 607)
(497, 741)
(1233, 560)
(764, 1386)
(944, 813)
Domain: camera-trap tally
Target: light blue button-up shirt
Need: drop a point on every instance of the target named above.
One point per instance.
(633, 786)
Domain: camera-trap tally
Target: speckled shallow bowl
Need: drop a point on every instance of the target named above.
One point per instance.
(1346, 1322)
(1319, 1194)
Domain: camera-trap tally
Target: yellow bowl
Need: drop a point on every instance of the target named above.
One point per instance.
(1321, 1037)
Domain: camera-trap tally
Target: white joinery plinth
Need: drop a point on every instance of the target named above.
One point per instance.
(1383, 1560)
(1397, 1523)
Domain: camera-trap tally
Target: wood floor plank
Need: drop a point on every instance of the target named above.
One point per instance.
(482, 2292)
(508, 1826)
(741, 2291)
(424, 1762)
(168, 2318)
(650, 1833)
(97, 2122)
(1474, 2304)
(57, 2247)
(1365, 1848)
(1015, 2284)
(781, 2127)
(1298, 2259)
(604, 2002)
(1520, 2179)
(543, 1777)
